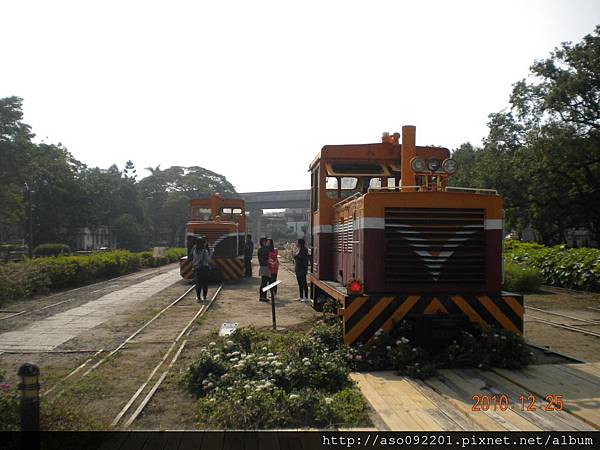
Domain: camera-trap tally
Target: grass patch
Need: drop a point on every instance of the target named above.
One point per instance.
(54, 416)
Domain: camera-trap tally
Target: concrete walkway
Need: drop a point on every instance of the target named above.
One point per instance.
(49, 333)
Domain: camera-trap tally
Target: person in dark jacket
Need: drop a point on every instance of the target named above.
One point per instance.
(248, 251)
(201, 255)
(263, 272)
(301, 260)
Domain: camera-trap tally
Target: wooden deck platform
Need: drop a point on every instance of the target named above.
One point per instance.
(444, 402)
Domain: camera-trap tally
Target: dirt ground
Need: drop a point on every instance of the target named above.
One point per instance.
(569, 303)
(102, 394)
(171, 408)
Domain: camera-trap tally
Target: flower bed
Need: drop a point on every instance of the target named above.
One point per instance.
(33, 276)
(260, 379)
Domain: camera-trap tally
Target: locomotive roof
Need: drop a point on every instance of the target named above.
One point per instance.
(378, 151)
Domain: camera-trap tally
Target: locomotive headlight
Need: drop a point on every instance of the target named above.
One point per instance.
(417, 165)
(433, 164)
(450, 166)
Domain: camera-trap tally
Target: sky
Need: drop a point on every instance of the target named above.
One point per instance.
(253, 89)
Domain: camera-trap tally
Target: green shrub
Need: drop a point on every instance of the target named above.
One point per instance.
(521, 279)
(38, 275)
(52, 250)
(19, 280)
(575, 268)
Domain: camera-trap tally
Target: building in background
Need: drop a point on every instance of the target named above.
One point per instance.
(94, 238)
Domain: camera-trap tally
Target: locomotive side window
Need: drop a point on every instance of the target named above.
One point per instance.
(332, 187)
(202, 214)
(389, 182)
(348, 183)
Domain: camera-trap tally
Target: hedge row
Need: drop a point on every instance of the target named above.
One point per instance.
(34, 276)
(572, 268)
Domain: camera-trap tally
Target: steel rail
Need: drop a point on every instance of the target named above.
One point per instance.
(593, 322)
(155, 387)
(566, 327)
(118, 348)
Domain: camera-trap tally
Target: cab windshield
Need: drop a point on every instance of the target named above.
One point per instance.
(203, 214)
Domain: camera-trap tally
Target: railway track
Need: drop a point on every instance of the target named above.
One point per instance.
(175, 348)
(564, 326)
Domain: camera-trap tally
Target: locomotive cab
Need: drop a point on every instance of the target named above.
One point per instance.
(391, 238)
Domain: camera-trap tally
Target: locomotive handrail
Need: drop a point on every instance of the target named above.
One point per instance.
(347, 199)
(458, 188)
(421, 189)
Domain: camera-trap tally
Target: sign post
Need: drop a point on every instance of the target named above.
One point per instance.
(159, 253)
(268, 287)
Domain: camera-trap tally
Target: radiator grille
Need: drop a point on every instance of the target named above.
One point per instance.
(441, 245)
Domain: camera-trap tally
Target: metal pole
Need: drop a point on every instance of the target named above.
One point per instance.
(273, 310)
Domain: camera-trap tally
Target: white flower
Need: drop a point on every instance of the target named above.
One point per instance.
(294, 396)
(247, 386)
(307, 363)
(249, 397)
(270, 354)
(328, 400)
(278, 372)
(210, 384)
(212, 344)
(265, 349)
(305, 359)
(229, 343)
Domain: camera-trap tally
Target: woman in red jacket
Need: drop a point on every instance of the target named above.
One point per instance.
(273, 264)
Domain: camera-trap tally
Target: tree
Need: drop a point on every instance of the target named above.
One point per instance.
(560, 109)
(465, 155)
(129, 233)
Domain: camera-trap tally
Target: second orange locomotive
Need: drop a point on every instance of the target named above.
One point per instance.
(222, 222)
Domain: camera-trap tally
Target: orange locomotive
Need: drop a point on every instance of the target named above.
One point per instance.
(391, 240)
(223, 223)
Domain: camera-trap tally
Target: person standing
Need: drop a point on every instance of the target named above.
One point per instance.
(301, 260)
(273, 264)
(263, 271)
(248, 251)
(201, 264)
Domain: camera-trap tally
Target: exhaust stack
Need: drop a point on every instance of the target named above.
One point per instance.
(407, 152)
